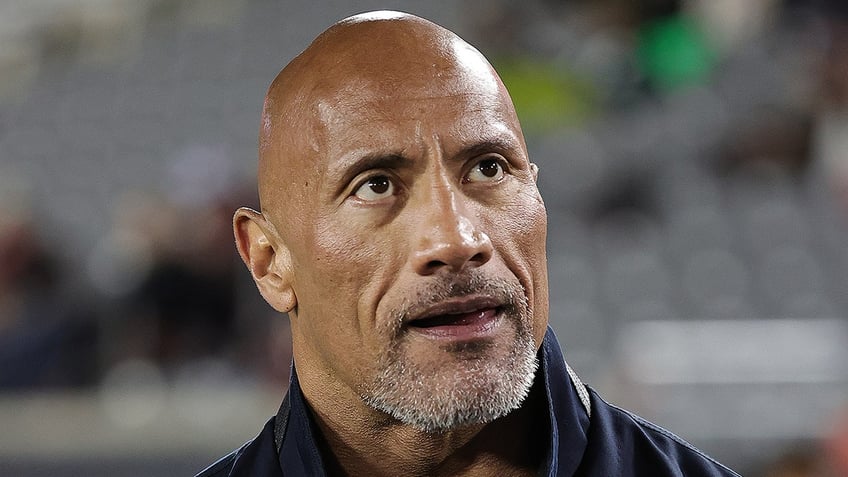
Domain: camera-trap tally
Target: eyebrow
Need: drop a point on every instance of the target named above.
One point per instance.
(497, 144)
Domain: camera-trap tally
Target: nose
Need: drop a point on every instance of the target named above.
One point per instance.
(449, 237)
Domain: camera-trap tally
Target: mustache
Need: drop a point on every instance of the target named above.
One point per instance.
(510, 294)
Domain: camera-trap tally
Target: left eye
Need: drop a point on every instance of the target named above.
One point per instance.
(489, 170)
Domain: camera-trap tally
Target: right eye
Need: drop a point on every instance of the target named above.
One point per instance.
(375, 188)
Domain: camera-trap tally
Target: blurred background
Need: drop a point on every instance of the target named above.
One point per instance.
(694, 162)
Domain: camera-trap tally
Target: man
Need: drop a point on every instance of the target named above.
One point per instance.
(402, 230)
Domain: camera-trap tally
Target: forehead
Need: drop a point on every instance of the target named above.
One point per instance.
(457, 105)
(461, 114)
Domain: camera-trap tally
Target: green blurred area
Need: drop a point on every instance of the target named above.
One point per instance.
(673, 53)
(547, 97)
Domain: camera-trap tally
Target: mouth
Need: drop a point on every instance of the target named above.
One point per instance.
(458, 319)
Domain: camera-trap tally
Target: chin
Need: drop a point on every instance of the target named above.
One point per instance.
(436, 385)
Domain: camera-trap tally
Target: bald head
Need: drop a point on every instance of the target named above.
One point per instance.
(377, 55)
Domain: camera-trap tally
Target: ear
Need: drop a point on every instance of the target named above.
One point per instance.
(267, 258)
(534, 169)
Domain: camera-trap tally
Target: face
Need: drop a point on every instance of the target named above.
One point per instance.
(418, 255)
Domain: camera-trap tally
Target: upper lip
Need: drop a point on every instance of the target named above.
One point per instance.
(455, 306)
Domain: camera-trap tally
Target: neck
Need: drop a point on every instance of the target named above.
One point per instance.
(362, 441)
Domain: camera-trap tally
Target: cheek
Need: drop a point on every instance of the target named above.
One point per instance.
(336, 261)
(521, 227)
(345, 263)
(530, 225)
(338, 274)
(329, 272)
(521, 240)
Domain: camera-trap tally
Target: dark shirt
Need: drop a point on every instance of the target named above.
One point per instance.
(588, 436)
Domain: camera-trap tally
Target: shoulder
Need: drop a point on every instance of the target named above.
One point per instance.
(640, 447)
(256, 458)
(223, 466)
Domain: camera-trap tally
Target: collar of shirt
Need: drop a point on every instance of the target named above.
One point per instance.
(567, 420)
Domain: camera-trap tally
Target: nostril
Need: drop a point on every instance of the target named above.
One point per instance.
(478, 258)
(433, 264)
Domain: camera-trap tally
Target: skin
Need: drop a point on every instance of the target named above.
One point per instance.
(344, 241)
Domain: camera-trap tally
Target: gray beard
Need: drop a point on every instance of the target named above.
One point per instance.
(482, 384)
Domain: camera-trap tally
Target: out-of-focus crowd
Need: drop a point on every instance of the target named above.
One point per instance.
(165, 287)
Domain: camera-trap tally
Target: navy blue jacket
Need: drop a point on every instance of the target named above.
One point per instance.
(589, 437)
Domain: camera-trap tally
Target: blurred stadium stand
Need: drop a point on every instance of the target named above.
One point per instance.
(694, 161)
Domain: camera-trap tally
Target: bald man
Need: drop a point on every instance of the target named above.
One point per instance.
(402, 231)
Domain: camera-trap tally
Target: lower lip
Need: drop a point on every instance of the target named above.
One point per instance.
(469, 326)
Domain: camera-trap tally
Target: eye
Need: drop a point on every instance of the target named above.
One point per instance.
(375, 188)
(487, 170)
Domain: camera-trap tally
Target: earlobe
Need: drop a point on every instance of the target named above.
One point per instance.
(267, 258)
(534, 169)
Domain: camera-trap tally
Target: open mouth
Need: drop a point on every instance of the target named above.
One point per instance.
(475, 323)
(456, 319)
